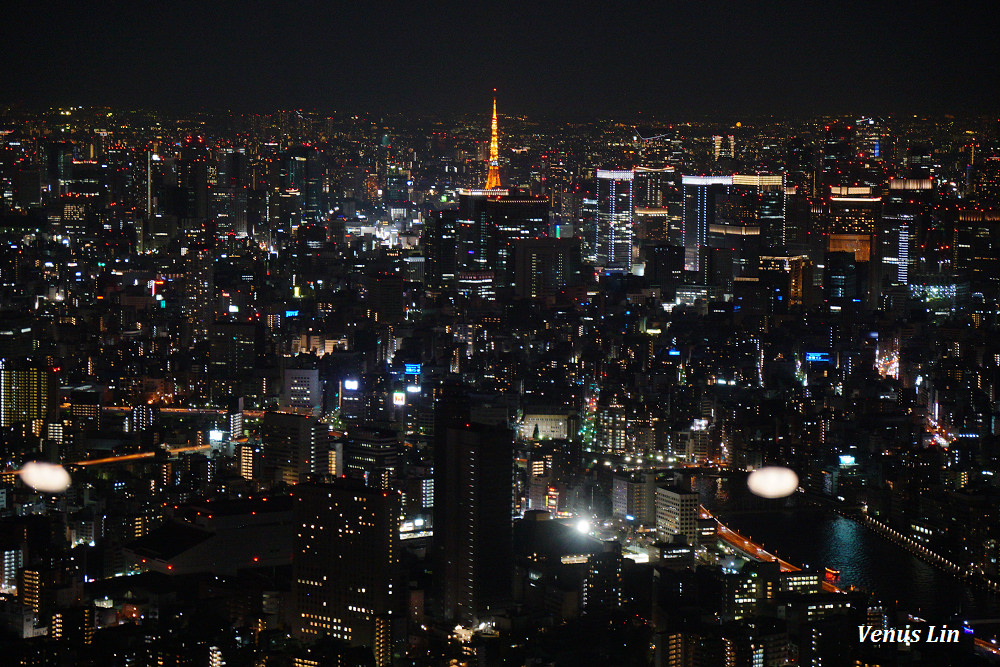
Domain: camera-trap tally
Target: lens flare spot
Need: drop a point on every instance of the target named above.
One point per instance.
(45, 477)
(773, 482)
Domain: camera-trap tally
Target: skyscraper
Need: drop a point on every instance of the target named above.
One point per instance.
(473, 520)
(372, 454)
(542, 267)
(489, 222)
(199, 290)
(747, 219)
(440, 239)
(789, 277)
(765, 194)
(509, 219)
(614, 219)
(25, 395)
(295, 446)
(677, 514)
(698, 215)
(346, 574)
(852, 219)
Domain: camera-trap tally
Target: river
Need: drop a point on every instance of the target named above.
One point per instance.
(819, 538)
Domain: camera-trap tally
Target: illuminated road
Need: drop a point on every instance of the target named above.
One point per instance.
(755, 550)
(141, 455)
(189, 411)
(130, 457)
(987, 646)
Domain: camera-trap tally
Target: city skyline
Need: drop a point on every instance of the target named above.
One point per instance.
(297, 388)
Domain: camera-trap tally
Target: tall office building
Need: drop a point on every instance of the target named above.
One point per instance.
(800, 166)
(227, 202)
(346, 579)
(765, 196)
(234, 350)
(872, 140)
(87, 407)
(612, 434)
(301, 389)
(489, 223)
(698, 215)
(723, 147)
(586, 226)
(789, 278)
(904, 211)
(614, 219)
(844, 278)
(543, 267)
(248, 457)
(851, 217)
(440, 241)
(196, 175)
(372, 455)
(837, 151)
(472, 241)
(657, 212)
(976, 248)
(294, 447)
(386, 295)
(747, 219)
(301, 172)
(602, 586)
(633, 497)
(509, 219)
(473, 474)
(895, 245)
(677, 514)
(652, 185)
(662, 146)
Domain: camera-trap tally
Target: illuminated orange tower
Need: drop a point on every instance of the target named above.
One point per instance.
(493, 175)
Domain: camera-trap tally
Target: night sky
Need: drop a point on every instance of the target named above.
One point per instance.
(560, 58)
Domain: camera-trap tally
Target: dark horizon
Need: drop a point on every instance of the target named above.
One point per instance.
(559, 59)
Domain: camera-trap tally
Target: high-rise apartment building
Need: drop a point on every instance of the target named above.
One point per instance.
(346, 573)
(26, 395)
(199, 291)
(473, 508)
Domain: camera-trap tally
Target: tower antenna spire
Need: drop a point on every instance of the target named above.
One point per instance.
(493, 175)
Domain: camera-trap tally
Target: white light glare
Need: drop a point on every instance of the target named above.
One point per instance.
(45, 477)
(773, 482)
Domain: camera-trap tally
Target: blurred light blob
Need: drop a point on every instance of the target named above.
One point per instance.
(45, 477)
(773, 482)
